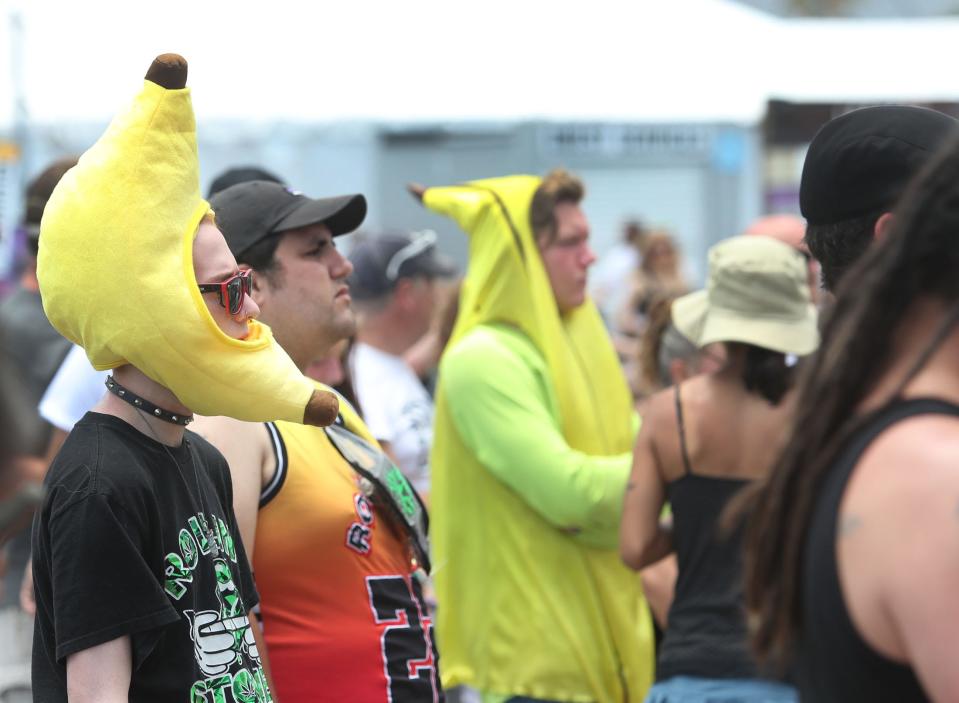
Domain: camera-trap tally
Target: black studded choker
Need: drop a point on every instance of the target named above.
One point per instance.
(145, 405)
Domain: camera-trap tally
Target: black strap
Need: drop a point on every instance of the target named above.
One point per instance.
(143, 404)
(272, 488)
(682, 431)
(387, 486)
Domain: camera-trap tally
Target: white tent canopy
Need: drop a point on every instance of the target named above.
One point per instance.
(677, 60)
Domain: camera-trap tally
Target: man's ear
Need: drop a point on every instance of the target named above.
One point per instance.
(883, 225)
(542, 239)
(401, 293)
(260, 285)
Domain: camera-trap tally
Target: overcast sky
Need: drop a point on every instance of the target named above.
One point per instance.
(445, 59)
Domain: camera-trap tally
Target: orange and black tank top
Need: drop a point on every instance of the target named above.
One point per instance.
(342, 611)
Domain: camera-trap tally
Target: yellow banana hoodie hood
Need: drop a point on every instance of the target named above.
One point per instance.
(537, 611)
(115, 267)
(506, 283)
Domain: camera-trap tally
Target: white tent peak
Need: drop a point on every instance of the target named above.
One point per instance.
(685, 60)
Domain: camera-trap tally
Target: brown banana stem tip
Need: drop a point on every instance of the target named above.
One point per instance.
(322, 409)
(168, 71)
(417, 190)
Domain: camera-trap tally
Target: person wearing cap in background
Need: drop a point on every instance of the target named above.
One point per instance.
(856, 167)
(701, 442)
(852, 548)
(143, 590)
(394, 291)
(531, 454)
(335, 532)
(30, 351)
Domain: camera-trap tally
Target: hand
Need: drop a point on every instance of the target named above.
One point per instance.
(213, 640)
(27, 600)
(250, 641)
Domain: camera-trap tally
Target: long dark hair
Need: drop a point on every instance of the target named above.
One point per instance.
(919, 258)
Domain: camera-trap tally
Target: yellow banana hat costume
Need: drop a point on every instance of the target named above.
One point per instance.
(115, 267)
(501, 570)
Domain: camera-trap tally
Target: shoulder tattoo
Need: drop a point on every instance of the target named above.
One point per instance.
(849, 524)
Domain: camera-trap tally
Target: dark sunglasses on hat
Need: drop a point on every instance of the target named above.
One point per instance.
(231, 291)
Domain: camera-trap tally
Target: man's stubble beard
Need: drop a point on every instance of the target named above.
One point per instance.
(339, 329)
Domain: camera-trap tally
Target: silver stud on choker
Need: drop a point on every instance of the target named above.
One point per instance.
(141, 403)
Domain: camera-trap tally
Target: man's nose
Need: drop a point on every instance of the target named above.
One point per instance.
(588, 257)
(341, 267)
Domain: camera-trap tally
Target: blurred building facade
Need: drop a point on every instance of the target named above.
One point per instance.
(856, 8)
(703, 182)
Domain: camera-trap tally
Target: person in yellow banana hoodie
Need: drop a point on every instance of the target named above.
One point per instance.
(532, 451)
(143, 589)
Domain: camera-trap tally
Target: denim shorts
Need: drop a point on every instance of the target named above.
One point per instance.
(689, 689)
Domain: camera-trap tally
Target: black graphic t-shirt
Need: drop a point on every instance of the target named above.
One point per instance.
(137, 539)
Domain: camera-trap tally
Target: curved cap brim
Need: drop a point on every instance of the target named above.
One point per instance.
(341, 214)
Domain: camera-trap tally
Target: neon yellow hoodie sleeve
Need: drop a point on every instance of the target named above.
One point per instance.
(509, 419)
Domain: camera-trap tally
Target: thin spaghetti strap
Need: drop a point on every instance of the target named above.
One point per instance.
(682, 431)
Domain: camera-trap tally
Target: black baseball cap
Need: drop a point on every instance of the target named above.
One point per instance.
(240, 174)
(380, 261)
(860, 162)
(248, 212)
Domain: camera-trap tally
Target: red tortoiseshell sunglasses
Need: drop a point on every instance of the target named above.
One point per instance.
(232, 290)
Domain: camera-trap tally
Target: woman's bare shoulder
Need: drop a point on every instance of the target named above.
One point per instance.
(915, 454)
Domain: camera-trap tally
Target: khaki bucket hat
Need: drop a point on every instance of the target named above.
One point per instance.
(757, 293)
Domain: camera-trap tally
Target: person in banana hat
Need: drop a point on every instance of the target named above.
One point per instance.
(532, 450)
(143, 589)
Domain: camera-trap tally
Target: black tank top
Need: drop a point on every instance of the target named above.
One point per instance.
(832, 661)
(706, 636)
